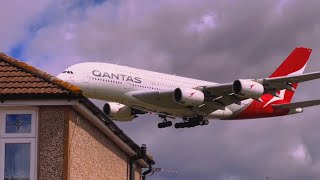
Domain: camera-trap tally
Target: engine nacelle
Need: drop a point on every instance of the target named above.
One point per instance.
(247, 88)
(188, 97)
(118, 112)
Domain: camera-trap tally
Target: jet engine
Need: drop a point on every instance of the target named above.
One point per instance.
(247, 88)
(188, 97)
(118, 112)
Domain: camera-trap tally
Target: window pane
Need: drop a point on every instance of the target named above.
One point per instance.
(17, 161)
(18, 123)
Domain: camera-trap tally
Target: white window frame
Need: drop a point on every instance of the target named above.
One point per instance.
(16, 135)
(33, 159)
(20, 137)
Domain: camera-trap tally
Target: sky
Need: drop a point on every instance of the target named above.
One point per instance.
(212, 40)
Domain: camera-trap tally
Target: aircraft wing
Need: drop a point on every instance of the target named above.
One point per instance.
(219, 96)
(302, 104)
(275, 83)
(222, 94)
(217, 89)
(159, 98)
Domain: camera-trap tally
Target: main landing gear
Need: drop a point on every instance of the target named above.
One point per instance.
(187, 122)
(192, 122)
(165, 123)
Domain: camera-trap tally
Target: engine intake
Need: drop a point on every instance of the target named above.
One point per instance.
(118, 112)
(188, 97)
(247, 88)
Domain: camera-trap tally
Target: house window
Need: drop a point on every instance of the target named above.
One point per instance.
(17, 161)
(18, 123)
(18, 144)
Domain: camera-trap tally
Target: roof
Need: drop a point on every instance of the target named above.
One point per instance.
(19, 80)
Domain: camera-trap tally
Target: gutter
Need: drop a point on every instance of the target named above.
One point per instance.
(147, 172)
(141, 155)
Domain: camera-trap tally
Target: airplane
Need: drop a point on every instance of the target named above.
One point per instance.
(130, 92)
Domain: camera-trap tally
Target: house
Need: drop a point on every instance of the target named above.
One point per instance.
(49, 130)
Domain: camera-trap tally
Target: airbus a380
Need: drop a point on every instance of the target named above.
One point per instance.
(130, 91)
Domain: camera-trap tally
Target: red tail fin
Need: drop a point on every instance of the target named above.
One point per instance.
(294, 64)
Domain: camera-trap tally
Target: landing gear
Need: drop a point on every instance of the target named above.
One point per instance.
(165, 122)
(203, 122)
(187, 122)
(192, 122)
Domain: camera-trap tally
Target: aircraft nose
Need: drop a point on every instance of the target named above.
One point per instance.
(61, 76)
(67, 76)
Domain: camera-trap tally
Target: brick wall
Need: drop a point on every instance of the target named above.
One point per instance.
(50, 142)
(93, 155)
(71, 147)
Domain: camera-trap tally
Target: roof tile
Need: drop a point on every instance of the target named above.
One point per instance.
(18, 78)
(12, 73)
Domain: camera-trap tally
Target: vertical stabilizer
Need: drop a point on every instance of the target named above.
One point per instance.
(294, 64)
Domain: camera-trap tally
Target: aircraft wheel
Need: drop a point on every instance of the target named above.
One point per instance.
(168, 124)
(206, 122)
(201, 123)
(161, 125)
(177, 125)
(183, 125)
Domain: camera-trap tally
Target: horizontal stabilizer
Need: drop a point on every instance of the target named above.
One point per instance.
(297, 104)
(294, 78)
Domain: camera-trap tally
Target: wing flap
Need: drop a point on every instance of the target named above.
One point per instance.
(302, 104)
(218, 89)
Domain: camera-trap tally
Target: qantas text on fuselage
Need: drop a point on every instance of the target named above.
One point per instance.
(121, 77)
(132, 91)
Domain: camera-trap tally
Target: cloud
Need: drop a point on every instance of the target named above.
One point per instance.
(16, 16)
(212, 40)
(300, 153)
(206, 22)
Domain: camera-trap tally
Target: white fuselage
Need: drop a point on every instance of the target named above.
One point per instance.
(119, 83)
(135, 91)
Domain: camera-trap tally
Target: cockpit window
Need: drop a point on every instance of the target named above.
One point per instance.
(68, 72)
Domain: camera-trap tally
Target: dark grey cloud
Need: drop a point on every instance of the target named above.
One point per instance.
(211, 40)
